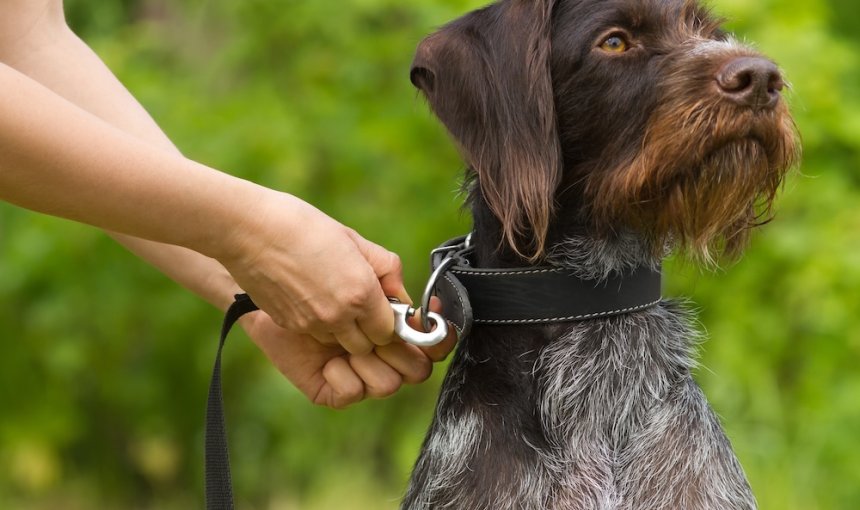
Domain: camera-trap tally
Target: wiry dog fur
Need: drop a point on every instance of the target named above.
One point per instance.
(597, 160)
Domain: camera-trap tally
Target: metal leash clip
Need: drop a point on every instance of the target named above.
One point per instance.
(433, 336)
(444, 264)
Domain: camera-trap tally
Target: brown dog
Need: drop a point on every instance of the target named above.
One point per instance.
(598, 134)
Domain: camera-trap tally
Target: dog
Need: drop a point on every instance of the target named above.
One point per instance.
(599, 136)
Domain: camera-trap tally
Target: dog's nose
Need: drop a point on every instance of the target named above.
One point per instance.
(751, 81)
(421, 74)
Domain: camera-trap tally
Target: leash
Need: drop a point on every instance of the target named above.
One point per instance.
(219, 485)
(218, 481)
(470, 295)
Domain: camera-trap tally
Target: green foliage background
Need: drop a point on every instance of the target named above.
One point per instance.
(104, 362)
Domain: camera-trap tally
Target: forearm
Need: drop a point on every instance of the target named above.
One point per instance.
(201, 275)
(59, 60)
(59, 159)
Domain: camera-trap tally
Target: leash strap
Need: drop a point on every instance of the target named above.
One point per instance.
(219, 485)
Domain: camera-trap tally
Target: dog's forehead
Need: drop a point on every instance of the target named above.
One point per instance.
(657, 17)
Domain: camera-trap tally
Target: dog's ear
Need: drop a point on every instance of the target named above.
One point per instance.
(487, 77)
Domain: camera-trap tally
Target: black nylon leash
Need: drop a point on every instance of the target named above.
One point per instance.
(219, 485)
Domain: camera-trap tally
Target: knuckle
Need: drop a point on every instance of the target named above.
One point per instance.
(383, 340)
(355, 346)
(282, 322)
(422, 371)
(387, 387)
(343, 397)
(327, 316)
(351, 394)
(324, 403)
(298, 324)
(394, 262)
(333, 315)
(360, 349)
(338, 404)
(358, 295)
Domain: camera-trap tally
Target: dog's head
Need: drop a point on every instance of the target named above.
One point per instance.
(619, 114)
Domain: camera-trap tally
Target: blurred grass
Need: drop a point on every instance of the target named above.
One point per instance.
(104, 363)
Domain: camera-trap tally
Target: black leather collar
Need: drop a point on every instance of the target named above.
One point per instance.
(531, 295)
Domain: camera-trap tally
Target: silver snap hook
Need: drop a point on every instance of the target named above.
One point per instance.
(403, 311)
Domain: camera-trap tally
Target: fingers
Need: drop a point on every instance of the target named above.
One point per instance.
(344, 387)
(354, 340)
(330, 376)
(386, 265)
(380, 379)
(378, 323)
(413, 365)
(441, 350)
(377, 375)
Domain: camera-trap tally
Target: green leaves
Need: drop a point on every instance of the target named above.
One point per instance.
(104, 362)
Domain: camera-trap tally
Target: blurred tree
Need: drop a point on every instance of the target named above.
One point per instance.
(104, 363)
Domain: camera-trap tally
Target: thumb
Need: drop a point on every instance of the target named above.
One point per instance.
(385, 264)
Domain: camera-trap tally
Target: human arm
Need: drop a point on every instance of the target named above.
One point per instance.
(62, 160)
(48, 53)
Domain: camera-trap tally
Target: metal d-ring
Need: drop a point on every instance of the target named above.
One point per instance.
(443, 266)
(434, 335)
(428, 289)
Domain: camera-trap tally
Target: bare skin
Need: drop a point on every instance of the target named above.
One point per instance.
(76, 144)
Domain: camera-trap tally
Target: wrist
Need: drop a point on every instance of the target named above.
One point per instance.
(229, 227)
(257, 221)
(223, 289)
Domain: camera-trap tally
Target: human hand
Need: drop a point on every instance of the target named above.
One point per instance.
(330, 376)
(314, 276)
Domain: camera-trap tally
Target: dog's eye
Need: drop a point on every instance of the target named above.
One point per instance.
(615, 43)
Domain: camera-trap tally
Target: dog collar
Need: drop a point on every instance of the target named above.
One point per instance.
(530, 295)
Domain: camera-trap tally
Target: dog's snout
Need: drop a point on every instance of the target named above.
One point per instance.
(422, 78)
(751, 81)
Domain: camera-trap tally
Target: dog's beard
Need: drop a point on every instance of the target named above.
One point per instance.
(704, 176)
